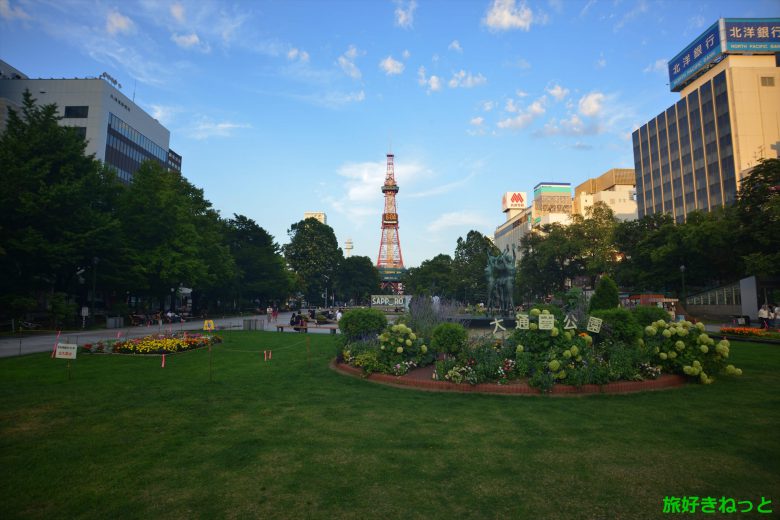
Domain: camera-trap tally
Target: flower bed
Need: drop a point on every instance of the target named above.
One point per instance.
(749, 332)
(154, 344)
(545, 355)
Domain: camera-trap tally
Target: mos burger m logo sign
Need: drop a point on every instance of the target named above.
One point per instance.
(513, 200)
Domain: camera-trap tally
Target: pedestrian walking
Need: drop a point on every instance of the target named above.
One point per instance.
(763, 316)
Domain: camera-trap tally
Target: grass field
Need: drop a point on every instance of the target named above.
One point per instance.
(125, 438)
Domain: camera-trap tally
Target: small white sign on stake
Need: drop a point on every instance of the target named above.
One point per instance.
(66, 351)
(546, 321)
(594, 324)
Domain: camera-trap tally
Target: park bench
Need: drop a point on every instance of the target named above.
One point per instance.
(305, 328)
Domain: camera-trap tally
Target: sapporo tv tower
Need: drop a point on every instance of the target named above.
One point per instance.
(390, 262)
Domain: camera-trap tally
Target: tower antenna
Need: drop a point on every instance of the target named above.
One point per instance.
(390, 261)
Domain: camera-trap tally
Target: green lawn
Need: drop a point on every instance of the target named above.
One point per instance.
(127, 439)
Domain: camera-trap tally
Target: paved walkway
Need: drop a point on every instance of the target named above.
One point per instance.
(44, 342)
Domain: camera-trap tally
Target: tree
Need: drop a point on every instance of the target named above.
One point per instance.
(469, 263)
(758, 212)
(548, 257)
(594, 240)
(357, 278)
(261, 270)
(56, 208)
(313, 253)
(432, 277)
(172, 235)
(606, 295)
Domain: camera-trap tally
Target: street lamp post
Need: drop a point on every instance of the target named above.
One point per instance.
(326, 289)
(682, 273)
(95, 261)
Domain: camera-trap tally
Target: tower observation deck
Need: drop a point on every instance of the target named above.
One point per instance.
(390, 262)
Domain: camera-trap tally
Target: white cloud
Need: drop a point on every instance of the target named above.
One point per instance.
(558, 92)
(433, 83)
(205, 128)
(185, 40)
(521, 63)
(640, 8)
(347, 62)
(477, 121)
(295, 54)
(391, 66)
(177, 11)
(333, 100)
(455, 46)
(404, 13)
(587, 7)
(487, 106)
(118, 23)
(592, 104)
(466, 80)
(164, 114)
(511, 107)
(521, 93)
(660, 65)
(504, 15)
(406, 54)
(524, 117)
(10, 13)
(459, 219)
(573, 126)
(601, 62)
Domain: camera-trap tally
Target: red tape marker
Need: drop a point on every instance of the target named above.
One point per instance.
(54, 348)
(270, 354)
(163, 362)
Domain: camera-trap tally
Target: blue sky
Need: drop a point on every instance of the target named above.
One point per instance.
(284, 107)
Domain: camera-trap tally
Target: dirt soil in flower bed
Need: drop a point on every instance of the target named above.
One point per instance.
(422, 379)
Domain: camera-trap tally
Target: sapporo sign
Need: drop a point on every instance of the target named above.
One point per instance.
(391, 300)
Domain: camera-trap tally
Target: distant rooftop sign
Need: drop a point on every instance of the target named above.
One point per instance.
(726, 36)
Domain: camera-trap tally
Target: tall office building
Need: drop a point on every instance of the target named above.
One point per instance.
(117, 131)
(693, 155)
(552, 204)
(318, 215)
(616, 188)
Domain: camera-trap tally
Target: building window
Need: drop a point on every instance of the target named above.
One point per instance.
(767, 81)
(76, 112)
(81, 131)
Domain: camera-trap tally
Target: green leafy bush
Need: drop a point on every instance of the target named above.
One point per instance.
(368, 361)
(619, 326)
(359, 324)
(684, 348)
(645, 314)
(449, 338)
(606, 295)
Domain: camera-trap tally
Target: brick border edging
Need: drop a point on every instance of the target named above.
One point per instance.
(664, 382)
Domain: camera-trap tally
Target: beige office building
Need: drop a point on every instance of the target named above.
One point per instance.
(694, 155)
(318, 215)
(616, 188)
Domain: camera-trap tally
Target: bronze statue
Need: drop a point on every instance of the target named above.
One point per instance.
(500, 274)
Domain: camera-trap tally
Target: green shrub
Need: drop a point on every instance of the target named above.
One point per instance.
(645, 314)
(684, 348)
(368, 361)
(449, 338)
(619, 326)
(553, 309)
(358, 324)
(606, 295)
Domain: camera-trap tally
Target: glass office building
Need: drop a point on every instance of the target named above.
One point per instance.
(693, 155)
